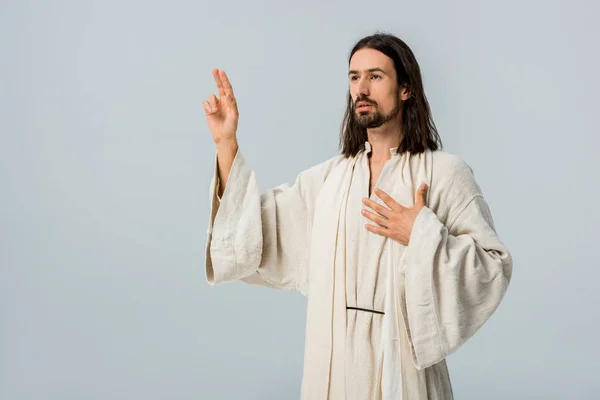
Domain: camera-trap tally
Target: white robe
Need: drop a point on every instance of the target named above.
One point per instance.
(310, 237)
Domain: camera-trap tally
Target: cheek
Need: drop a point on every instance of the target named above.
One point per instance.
(389, 100)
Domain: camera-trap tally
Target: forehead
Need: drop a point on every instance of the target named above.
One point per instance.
(365, 59)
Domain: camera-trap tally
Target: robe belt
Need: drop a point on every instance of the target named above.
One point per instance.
(365, 309)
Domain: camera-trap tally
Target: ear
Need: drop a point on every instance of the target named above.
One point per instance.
(405, 93)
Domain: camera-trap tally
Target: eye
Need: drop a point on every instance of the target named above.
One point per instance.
(375, 76)
(354, 77)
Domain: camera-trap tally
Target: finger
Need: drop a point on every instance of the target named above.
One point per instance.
(226, 84)
(214, 102)
(378, 230)
(207, 108)
(376, 218)
(387, 199)
(421, 196)
(229, 97)
(217, 75)
(377, 207)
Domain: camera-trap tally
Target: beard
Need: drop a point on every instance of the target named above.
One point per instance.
(372, 118)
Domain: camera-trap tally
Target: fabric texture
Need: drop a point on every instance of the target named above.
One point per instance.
(310, 237)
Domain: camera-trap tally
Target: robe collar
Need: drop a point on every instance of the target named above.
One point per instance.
(368, 148)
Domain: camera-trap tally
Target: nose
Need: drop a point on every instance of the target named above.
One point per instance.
(363, 88)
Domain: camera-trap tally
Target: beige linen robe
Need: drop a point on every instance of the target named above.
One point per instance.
(435, 293)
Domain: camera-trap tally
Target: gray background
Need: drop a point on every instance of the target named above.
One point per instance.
(106, 160)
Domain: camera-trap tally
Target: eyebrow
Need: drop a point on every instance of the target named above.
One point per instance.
(354, 72)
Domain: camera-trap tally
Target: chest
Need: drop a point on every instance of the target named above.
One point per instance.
(374, 174)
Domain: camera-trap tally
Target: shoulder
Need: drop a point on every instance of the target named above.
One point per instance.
(322, 170)
(310, 181)
(451, 172)
(453, 186)
(332, 162)
(448, 164)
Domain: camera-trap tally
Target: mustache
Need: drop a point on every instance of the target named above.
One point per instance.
(363, 99)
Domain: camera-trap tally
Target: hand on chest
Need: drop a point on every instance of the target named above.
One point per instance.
(392, 204)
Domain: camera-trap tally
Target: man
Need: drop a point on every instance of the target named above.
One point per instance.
(391, 241)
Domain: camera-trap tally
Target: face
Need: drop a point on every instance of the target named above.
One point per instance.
(374, 88)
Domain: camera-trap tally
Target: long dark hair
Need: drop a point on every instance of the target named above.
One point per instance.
(418, 129)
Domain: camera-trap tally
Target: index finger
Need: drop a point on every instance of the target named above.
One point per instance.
(377, 207)
(387, 199)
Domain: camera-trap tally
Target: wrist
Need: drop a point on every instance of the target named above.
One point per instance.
(229, 145)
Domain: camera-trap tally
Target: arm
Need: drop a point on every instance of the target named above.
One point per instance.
(261, 238)
(455, 278)
(226, 152)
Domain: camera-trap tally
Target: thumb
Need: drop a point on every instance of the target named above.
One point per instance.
(421, 196)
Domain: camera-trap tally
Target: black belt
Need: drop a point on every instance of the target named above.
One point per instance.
(364, 309)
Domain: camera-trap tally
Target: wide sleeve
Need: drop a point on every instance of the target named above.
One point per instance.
(455, 278)
(261, 238)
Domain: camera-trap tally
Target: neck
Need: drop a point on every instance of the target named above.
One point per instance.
(383, 139)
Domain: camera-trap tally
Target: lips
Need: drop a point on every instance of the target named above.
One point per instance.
(362, 105)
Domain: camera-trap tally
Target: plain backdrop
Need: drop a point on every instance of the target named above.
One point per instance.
(106, 161)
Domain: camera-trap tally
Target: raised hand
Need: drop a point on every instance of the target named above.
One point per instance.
(397, 221)
(222, 113)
